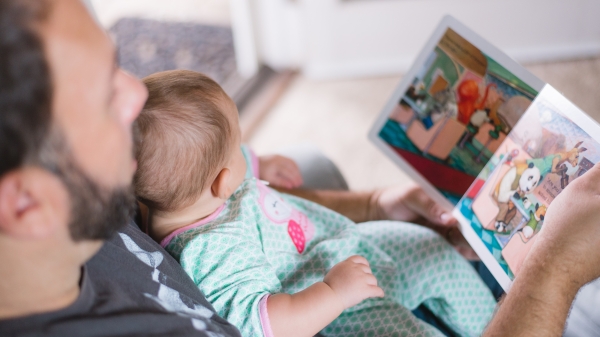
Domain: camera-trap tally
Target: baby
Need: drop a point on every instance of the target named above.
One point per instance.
(274, 264)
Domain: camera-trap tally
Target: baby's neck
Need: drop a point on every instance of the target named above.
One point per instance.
(162, 224)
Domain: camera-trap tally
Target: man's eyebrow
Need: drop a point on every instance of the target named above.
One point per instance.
(113, 73)
(116, 59)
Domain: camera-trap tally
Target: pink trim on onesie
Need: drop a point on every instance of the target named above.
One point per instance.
(254, 159)
(264, 316)
(176, 232)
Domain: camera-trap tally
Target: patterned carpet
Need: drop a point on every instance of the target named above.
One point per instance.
(148, 46)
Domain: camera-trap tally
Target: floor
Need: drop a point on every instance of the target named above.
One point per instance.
(337, 115)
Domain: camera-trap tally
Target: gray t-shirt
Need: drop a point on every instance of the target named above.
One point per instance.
(584, 319)
(132, 287)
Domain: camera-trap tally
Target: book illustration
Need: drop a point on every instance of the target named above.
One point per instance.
(507, 202)
(455, 113)
(486, 139)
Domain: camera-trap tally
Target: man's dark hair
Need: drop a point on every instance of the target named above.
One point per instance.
(27, 133)
(25, 83)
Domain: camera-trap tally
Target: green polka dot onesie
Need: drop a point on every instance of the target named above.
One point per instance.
(261, 242)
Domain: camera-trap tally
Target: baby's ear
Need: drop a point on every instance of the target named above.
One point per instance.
(220, 186)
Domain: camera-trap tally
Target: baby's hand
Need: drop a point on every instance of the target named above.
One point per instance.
(353, 281)
(279, 171)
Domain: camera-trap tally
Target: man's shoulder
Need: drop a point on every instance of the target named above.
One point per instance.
(135, 266)
(131, 287)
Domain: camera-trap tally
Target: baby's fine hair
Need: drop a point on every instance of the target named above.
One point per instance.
(182, 138)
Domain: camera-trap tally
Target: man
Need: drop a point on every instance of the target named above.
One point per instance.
(65, 141)
(564, 258)
(66, 111)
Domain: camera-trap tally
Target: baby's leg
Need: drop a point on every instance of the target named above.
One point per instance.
(387, 319)
(429, 271)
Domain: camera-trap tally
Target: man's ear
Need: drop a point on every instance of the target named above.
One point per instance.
(220, 186)
(33, 204)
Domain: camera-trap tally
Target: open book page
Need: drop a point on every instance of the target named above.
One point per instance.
(502, 212)
(453, 110)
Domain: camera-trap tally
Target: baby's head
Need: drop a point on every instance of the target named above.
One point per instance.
(188, 143)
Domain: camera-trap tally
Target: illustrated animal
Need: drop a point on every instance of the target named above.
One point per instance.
(468, 99)
(556, 163)
(412, 94)
(534, 220)
(479, 118)
(518, 181)
(571, 157)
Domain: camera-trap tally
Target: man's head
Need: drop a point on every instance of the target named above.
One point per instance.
(66, 111)
(188, 142)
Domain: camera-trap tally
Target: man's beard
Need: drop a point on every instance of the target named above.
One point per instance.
(96, 212)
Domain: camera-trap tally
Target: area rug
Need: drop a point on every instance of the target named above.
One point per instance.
(148, 46)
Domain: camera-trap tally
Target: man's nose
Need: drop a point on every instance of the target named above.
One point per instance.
(135, 94)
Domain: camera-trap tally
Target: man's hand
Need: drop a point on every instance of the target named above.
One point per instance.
(279, 171)
(570, 235)
(353, 281)
(412, 204)
(564, 257)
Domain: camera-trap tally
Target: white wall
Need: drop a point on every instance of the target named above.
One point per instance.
(335, 38)
(205, 11)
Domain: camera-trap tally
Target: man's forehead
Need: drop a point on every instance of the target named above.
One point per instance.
(70, 28)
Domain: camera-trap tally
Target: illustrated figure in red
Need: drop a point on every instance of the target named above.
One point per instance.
(468, 99)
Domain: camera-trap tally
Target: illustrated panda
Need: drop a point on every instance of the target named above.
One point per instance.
(518, 181)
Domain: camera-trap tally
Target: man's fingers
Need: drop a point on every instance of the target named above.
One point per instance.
(456, 238)
(430, 210)
(468, 253)
(589, 179)
(447, 219)
(441, 216)
(595, 170)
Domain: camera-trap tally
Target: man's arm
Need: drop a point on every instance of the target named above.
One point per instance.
(357, 206)
(563, 259)
(400, 203)
(537, 304)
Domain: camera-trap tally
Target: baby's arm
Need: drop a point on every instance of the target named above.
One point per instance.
(312, 309)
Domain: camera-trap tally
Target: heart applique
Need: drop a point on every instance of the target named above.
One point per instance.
(297, 235)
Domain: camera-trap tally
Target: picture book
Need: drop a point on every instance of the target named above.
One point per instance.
(487, 140)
